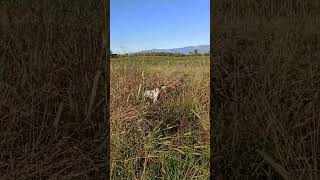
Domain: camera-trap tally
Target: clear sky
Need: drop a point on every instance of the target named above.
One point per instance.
(137, 25)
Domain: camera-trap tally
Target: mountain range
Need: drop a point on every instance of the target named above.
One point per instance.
(184, 50)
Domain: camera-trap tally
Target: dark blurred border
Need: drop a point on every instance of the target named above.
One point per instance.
(54, 89)
(107, 75)
(264, 89)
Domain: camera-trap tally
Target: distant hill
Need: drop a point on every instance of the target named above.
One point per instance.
(184, 50)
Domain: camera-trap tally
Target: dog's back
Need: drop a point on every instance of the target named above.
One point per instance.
(151, 95)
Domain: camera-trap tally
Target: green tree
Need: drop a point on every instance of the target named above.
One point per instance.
(195, 52)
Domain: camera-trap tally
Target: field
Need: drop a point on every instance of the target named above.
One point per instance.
(166, 140)
(51, 97)
(266, 78)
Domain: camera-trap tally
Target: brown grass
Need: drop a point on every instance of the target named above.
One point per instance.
(267, 83)
(170, 139)
(51, 98)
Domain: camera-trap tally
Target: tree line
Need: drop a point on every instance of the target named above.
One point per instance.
(193, 53)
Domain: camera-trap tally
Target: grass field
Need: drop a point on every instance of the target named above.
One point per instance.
(167, 140)
(267, 84)
(51, 97)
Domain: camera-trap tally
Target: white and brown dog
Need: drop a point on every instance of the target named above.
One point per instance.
(153, 94)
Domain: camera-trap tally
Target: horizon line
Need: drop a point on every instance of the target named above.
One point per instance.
(150, 49)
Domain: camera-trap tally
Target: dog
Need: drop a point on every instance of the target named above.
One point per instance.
(153, 95)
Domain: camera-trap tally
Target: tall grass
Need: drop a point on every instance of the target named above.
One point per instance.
(267, 86)
(169, 140)
(234, 9)
(51, 93)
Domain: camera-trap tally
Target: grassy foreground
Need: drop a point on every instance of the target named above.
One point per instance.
(52, 90)
(168, 140)
(267, 84)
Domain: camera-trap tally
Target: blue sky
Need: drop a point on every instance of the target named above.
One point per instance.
(137, 25)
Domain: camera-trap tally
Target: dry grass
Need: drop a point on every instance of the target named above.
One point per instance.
(267, 78)
(169, 140)
(51, 97)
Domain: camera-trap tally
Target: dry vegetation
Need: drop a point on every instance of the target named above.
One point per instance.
(266, 79)
(168, 140)
(51, 99)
